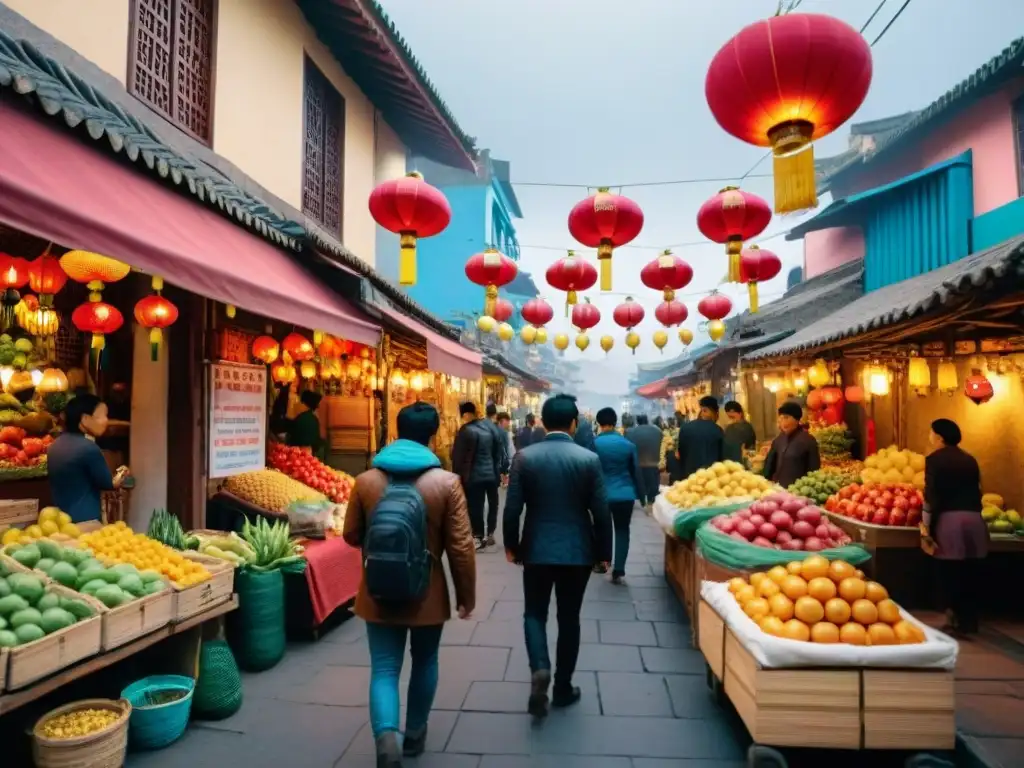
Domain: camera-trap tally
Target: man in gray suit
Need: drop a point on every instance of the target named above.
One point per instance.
(647, 439)
(566, 531)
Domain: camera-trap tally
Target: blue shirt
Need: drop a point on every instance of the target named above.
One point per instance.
(78, 475)
(620, 466)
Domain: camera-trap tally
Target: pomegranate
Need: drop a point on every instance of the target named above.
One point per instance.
(781, 520)
(768, 531)
(813, 544)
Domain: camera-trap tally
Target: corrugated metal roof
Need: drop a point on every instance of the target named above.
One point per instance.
(904, 300)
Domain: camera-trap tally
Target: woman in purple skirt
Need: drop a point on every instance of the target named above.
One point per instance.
(952, 512)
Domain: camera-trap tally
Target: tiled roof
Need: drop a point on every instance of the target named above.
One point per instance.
(905, 300)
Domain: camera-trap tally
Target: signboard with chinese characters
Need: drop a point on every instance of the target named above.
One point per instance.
(234, 346)
(238, 418)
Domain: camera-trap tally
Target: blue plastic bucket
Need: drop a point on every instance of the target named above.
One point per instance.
(155, 724)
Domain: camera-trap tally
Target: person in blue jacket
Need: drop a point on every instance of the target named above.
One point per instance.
(622, 481)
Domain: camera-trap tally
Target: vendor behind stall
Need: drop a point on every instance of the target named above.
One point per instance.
(304, 430)
(794, 453)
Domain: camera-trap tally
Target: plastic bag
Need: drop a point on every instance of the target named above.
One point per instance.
(687, 521)
(309, 518)
(725, 551)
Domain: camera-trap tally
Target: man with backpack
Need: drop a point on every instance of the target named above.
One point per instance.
(404, 514)
(477, 458)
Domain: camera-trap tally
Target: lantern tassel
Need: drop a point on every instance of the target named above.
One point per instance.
(795, 188)
(604, 258)
(490, 300)
(752, 291)
(156, 336)
(407, 259)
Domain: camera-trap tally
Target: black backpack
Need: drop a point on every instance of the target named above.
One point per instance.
(396, 561)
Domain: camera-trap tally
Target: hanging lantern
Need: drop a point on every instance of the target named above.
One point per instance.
(537, 312)
(486, 324)
(785, 82)
(53, 380)
(685, 336)
(561, 342)
(607, 342)
(671, 313)
(878, 382)
(506, 332)
(854, 394)
(977, 387)
(98, 318)
(946, 377)
(628, 315)
(814, 400)
(582, 342)
(541, 337)
(730, 217)
(93, 269)
(528, 334)
(282, 372)
(716, 330)
(298, 347)
(660, 339)
(919, 376)
(633, 341)
(571, 274)
(585, 316)
(40, 322)
(605, 221)
(156, 313)
(307, 369)
(667, 273)
(230, 310)
(491, 269)
(411, 209)
(266, 349)
(757, 266)
(715, 306)
(503, 310)
(13, 275)
(831, 395)
(46, 278)
(818, 374)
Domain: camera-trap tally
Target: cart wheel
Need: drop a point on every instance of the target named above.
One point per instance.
(765, 757)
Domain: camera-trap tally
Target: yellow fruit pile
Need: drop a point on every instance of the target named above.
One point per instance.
(51, 523)
(821, 602)
(724, 482)
(270, 489)
(891, 465)
(80, 722)
(117, 543)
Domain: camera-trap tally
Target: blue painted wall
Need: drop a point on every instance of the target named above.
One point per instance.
(998, 225)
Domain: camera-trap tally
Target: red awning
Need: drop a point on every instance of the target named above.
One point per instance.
(60, 189)
(443, 355)
(654, 390)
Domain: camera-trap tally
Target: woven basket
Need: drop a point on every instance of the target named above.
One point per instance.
(218, 692)
(103, 749)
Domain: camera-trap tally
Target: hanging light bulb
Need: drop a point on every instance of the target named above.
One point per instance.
(919, 376)
(878, 382)
(946, 377)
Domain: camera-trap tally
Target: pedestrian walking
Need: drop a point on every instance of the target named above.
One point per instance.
(476, 459)
(566, 530)
(647, 439)
(584, 436)
(504, 424)
(794, 452)
(701, 442)
(404, 514)
(623, 483)
(739, 433)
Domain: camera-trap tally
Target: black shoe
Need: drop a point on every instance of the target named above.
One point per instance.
(538, 703)
(619, 579)
(415, 742)
(389, 754)
(489, 542)
(478, 543)
(567, 697)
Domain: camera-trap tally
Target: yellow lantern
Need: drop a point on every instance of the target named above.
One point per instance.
(716, 330)
(607, 342)
(878, 382)
(919, 375)
(53, 380)
(582, 342)
(561, 342)
(660, 340)
(685, 336)
(818, 375)
(486, 323)
(528, 334)
(307, 369)
(946, 377)
(506, 332)
(541, 337)
(633, 340)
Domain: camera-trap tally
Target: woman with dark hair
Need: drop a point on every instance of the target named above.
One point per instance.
(77, 470)
(304, 429)
(952, 524)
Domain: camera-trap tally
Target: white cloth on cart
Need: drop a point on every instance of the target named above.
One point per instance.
(665, 514)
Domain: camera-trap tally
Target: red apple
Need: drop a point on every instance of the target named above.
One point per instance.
(743, 514)
(813, 544)
(793, 506)
(746, 529)
(794, 545)
(768, 531)
(835, 532)
(810, 514)
(821, 531)
(761, 541)
(757, 520)
(736, 535)
(781, 520)
(783, 537)
(880, 516)
(802, 529)
(728, 525)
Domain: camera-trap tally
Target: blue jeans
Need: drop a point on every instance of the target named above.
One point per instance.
(622, 514)
(387, 652)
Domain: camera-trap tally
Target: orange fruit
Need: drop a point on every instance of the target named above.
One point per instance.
(796, 630)
(781, 606)
(735, 583)
(771, 625)
(808, 610)
(852, 589)
(907, 634)
(795, 567)
(875, 592)
(864, 612)
(794, 587)
(756, 578)
(824, 632)
(853, 634)
(888, 611)
(839, 570)
(837, 611)
(768, 588)
(778, 573)
(813, 567)
(821, 589)
(745, 593)
(757, 608)
(881, 634)
(859, 573)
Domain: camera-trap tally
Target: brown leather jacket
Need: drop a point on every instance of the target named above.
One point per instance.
(448, 532)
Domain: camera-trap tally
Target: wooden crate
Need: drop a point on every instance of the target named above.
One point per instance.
(134, 619)
(3, 669)
(31, 662)
(189, 601)
(909, 709)
(873, 536)
(711, 638)
(823, 704)
(18, 512)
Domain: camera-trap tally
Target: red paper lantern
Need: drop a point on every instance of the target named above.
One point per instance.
(757, 266)
(854, 394)
(46, 278)
(671, 313)
(266, 349)
(605, 221)
(628, 314)
(977, 388)
(156, 313)
(585, 316)
(503, 310)
(715, 306)
(831, 395)
(410, 208)
(98, 318)
(730, 217)
(537, 312)
(298, 347)
(785, 82)
(282, 372)
(814, 400)
(667, 273)
(572, 274)
(13, 275)
(491, 269)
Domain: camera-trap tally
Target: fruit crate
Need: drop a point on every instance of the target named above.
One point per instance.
(3, 668)
(33, 661)
(17, 512)
(873, 536)
(189, 601)
(133, 619)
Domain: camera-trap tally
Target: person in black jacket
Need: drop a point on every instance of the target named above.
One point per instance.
(566, 531)
(702, 442)
(476, 459)
(584, 436)
(525, 434)
(794, 453)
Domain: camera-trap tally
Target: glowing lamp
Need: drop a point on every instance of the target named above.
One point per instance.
(53, 380)
(919, 375)
(93, 269)
(833, 395)
(307, 369)
(282, 372)
(266, 349)
(411, 209)
(98, 318)
(854, 394)
(155, 312)
(13, 275)
(946, 377)
(977, 388)
(605, 221)
(814, 400)
(729, 218)
(298, 347)
(878, 382)
(818, 374)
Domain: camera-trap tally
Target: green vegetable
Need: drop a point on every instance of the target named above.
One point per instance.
(12, 604)
(75, 556)
(166, 528)
(92, 586)
(8, 639)
(29, 633)
(49, 549)
(45, 564)
(77, 608)
(25, 616)
(154, 587)
(47, 601)
(28, 555)
(3, 623)
(112, 596)
(271, 544)
(148, 577)
(5, 588)
(131, 584)
(28, 586)
(64, 573)
(86, 576)
(56, 619)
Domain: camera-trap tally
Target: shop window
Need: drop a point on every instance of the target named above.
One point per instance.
(323, 158)
(171, 61)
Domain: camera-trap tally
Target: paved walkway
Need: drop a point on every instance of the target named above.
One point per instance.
(645, 704)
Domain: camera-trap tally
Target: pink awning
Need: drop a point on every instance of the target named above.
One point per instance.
(443, 355)
(654, 390)
(58, 188)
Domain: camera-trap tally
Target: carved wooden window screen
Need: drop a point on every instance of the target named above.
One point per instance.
(324, 139)
(171, 66)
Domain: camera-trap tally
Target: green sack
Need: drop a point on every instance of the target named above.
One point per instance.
(687, 521)
(728, 552)
(256, 631)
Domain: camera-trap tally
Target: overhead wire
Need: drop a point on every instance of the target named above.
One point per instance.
(891, 22)
(871, 18)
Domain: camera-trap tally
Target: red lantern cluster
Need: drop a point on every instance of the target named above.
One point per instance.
(13, 275)
(491, 269)
(605, 221)
(757, 266)
(668, 273)
(585, 316)
(98, 318)
(571, 274)
(266, 349)
(730, 217)
(410, 208)
(298, 347)
(854, 394)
